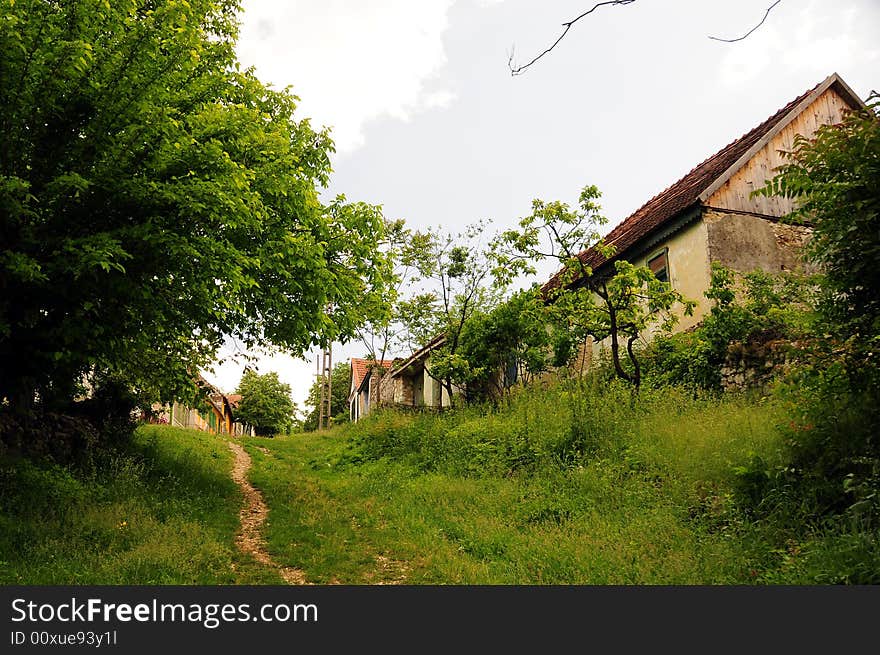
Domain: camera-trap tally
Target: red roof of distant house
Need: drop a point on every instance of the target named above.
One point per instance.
(687, 191)
(360, 367)
(234, 399)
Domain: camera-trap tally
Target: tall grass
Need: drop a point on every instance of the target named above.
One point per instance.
(163, 511)
(557, 487)
(669, 429)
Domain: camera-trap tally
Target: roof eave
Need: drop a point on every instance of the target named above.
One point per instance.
(656, 236)
(436, 342)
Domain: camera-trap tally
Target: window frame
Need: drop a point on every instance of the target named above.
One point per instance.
(664, 253)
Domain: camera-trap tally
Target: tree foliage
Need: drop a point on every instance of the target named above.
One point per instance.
(155, 199)
(506, 345)
(751, 308)
(835, 178)
(620, 303)
(457, 273)
(833, 467)
(266, 403)
(398, 319)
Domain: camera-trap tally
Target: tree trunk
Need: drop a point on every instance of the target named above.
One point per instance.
(636, 377)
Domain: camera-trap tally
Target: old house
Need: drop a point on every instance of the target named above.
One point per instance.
(215, 413)
(710, 216)
(364, 394)
(207, 417)
(238, 428)
(410, 384)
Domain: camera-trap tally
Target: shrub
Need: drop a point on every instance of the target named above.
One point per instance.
(748, 309)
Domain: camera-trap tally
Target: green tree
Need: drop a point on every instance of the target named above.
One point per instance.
(340, 385)
(386, 330)
(456, 271)
(834, 450)
(266, 403)
(835, 179)
(505, 345)
(620, 305)
(754, 307)
(156, 199)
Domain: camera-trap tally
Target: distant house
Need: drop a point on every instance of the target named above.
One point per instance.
(709, 214)
(215, 414)
(238, 428)
(364, 391)
(409, 383)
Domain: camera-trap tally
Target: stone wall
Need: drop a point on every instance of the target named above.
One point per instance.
(754, 364)
(396, 391)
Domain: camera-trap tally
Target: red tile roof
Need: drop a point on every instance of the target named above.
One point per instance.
(686, 192)
(360, 367)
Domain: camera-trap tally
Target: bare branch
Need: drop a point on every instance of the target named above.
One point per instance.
(766, 13)
(517, 70)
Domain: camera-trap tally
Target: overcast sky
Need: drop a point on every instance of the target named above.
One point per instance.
(429, 123)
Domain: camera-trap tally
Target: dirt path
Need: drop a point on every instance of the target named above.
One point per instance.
(252, 516)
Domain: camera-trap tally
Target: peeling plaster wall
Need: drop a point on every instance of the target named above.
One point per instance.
(745, 242)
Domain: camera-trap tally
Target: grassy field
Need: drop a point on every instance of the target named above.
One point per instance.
(163, 512)
(556, 487)
(546, 491)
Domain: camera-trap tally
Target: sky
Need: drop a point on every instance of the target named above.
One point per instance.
(429, 123)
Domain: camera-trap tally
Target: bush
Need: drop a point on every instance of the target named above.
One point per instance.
(686, 359)
(754, 308)
(76, 432)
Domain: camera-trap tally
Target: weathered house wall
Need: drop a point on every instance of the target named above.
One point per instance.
(413, 386)
(396, 390)
(745, 242)
(688, 260)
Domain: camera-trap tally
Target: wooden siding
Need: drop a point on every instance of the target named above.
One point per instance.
(734, 194)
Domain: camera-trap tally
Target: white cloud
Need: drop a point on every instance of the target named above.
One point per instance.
(438, 99)
(349, 61)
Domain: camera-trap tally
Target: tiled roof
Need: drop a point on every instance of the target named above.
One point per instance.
(685, 193)
(360, 367)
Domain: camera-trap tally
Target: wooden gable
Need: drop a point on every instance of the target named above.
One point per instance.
(734, 192)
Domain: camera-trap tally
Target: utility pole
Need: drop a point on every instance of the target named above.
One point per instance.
(325, 370)
(325, 375)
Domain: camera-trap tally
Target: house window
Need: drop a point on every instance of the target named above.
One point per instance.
(659, 265)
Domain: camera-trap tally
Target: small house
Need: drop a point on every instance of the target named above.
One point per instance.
(410, 383)
(710, 215)
(366, 375)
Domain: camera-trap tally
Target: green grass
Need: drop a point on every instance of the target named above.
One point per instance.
(165, 511)
(554, 487)
(528, 494)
